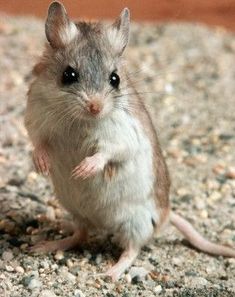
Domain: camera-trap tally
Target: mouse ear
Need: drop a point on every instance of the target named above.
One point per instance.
(59, 29)
(118, 33)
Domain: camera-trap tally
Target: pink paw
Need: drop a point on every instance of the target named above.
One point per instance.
(89, 167)
(114, 274)
(41, 161)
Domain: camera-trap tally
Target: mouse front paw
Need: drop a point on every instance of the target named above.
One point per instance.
(41, 161)
(89, 167)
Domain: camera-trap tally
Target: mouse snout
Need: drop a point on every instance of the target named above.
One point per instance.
(94, 106)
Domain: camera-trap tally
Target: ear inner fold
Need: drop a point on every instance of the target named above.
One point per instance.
(118, 33)
(59, 29)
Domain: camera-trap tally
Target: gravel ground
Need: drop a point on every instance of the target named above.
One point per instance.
(188, 74)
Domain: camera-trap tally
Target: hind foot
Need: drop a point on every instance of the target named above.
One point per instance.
(124, 262)
(62, 244)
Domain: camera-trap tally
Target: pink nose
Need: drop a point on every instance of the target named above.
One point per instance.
(94, 108)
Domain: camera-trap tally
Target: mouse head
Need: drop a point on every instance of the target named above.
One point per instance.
(81, 68)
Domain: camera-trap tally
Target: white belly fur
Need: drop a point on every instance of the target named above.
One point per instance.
(125, 203)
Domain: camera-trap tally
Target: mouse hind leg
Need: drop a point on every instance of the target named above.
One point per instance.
(125, 261)
(132, 235)
(67, 243)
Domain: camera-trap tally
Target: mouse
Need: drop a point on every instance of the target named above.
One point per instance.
(97, 143)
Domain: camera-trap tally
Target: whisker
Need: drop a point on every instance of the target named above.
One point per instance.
(133, 83)
(139, 93)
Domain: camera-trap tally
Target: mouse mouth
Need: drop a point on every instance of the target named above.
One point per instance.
(94, 115)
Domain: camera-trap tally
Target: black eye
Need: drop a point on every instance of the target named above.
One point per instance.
(114, 80)
(69, 76)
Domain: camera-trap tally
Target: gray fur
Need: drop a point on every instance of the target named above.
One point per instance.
(135, 199)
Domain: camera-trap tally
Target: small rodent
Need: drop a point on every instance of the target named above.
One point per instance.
(97, 143)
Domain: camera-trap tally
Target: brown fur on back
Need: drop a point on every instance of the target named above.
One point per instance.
(162, 178)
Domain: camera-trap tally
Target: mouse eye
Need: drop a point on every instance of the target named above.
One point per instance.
(69, 76)
(114, 80)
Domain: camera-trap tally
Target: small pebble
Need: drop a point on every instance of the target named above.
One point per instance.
(68, 276)
(34, 283)
(219, 168)
(230, 173)
(231, 261)
(32, 176)
(128, 278)
(19, 269)
(199, 203)
(98, 259)
(47, 293)
(139, 272)
(42, 275)
(174, 153)
(50, 213)
(169, 88)
(78, 293)
(54, 266)
(59, 255)
(2, 276)
(7, 256)
(135, 280)
(69, 263)
(182, 191)
(7, 226)
(158, 289)
(75, 269)
(87, 255)
(35, 273)
(212, 185)
(204, 214)
(198, 282)
(9, 268)
(45, 264)
(24, 246)
(97, 284)
(26, 280)
(215, 196)
(177, 261)
(210, 269)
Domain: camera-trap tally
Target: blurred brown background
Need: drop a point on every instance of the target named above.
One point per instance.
(212, 12)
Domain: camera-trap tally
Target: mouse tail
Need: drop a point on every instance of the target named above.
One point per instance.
(197, 240)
